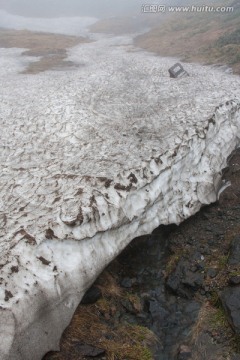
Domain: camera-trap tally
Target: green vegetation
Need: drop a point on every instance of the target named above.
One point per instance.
(234, 273)
(135, 301)
(219, 320)
(171, 265)
(174, 259)
(229, 38)
(137, 339)
(222, 262)
(209, 38)
(100, 325)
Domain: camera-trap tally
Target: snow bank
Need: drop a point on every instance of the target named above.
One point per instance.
(91, 158)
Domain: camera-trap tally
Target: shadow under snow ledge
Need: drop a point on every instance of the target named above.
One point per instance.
(91, 159)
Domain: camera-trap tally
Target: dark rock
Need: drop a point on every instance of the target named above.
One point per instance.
(234, 280)
(44, 261)
(236, 169)
(235, 357)
(212, 273)
(127, 283)
(194, 268)
(197, 256)
(200, 266)
(230, 298)
(234, 256)
(88, 350)
(177, 71)
(193, 308)
(182, 281)
(206, 216)
(173, 282)
(8, 295)
(209, 228)
(205, 250)
(193, 280)
(158, 312)
(92, 295)
(220, 213)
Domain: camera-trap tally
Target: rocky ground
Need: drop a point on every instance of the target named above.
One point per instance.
(172, 295)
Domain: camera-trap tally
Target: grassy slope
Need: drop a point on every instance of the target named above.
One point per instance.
(117, 25)
(201, 37)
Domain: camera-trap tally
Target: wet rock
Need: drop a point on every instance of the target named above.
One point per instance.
(88, 350)
(92, 295)
(230, 298)
(159, 312)
(184, 282)
(184, 353)
(234, 256)
(173, 281)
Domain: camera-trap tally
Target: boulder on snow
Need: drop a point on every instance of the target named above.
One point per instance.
(177, 71)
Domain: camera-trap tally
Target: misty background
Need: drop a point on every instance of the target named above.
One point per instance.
(59, 8)
(90, 8)
(29, 14)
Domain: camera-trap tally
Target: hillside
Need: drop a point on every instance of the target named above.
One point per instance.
(208, 38)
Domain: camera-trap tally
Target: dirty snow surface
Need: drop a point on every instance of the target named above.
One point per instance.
(90, 158)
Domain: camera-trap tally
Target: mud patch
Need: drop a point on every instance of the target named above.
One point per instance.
(50, 48)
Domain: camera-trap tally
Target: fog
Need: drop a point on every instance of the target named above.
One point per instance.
(29, 14)
(55, 8)
(91, 8)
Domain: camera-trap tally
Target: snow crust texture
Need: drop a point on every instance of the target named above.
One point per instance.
(91, 158)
